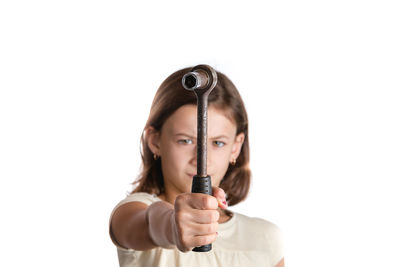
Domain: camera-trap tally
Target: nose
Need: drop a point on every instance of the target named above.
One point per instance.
(193, 160)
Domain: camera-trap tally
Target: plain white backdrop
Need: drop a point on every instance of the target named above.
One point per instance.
(320, 80)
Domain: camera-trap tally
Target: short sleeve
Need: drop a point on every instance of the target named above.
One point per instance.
(275, 240)
(143, 197)
(146, 198)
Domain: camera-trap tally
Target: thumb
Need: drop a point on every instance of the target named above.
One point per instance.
(219, 194)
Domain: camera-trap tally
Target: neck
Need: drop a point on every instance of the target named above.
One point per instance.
(168, 198)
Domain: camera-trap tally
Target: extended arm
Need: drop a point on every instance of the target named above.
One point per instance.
(129, 227)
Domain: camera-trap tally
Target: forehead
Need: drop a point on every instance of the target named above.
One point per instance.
(184, 120)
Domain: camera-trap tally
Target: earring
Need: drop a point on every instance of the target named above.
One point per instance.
(155, 156)
(233, 162)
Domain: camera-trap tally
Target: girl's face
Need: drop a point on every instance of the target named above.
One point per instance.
(176, 145)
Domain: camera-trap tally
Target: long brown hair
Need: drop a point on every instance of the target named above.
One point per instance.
(169, 97)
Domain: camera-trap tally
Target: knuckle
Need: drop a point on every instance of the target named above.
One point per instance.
(180, 198)
(215, 227)
(210, 229)
(210, 238)
(211, 217)
(203, 240)
(180, 216)
(216, 216)
(213, 203)
(205, 202)
(180, 201)
(209, 202)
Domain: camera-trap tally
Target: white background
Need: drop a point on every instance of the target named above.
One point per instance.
(320, 80)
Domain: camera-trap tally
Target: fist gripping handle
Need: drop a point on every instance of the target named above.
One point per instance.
(202, 185)
(201, 80)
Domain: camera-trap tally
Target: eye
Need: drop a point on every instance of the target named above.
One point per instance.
(219, 143)
(185, 141)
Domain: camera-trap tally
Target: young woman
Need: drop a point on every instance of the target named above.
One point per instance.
(161, 221)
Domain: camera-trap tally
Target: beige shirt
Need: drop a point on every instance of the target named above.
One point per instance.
(242, 241)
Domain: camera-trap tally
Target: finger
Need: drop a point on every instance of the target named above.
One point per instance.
(202, 201)
(202, 240)
(204, 216)
(219, 194)
(204, 229)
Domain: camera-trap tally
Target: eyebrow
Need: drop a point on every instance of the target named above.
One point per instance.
(215, 137)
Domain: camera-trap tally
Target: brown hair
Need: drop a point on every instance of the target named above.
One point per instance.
(169, 97)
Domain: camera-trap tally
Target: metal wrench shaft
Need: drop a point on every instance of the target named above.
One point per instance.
(201, 79)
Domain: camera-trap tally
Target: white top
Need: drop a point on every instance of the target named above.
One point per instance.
(242, 241)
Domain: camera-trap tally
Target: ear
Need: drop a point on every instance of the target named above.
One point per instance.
(237, 146)
(153, 140)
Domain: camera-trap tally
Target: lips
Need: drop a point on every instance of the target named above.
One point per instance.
(193, 174)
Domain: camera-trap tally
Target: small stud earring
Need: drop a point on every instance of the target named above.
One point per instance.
(233, 162)
(155, 156)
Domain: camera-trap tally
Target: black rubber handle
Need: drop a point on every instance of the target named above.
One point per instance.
(202, 185)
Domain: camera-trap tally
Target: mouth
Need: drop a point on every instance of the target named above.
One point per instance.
(193, 174)
(190, 175)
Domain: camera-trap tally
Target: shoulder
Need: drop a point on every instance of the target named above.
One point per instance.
(143, 197)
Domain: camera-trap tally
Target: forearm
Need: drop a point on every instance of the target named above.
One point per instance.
(129, 227)
(137, 236)
(160, 218)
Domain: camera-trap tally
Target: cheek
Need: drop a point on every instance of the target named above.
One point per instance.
(221, 158)
(220, 171)
(220, 154)
(176, 155)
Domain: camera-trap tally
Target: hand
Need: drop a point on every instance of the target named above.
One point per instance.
(196, 218)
